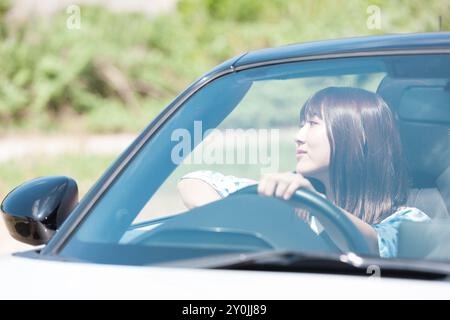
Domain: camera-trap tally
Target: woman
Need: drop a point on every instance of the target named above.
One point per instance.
(349, 150)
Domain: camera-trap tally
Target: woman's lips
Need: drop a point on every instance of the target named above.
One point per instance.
(299, 153)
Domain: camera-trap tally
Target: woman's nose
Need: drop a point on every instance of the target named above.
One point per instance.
(300, 137)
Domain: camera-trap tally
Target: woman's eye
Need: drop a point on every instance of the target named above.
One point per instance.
(310, 122)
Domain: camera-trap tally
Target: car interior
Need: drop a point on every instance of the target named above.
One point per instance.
(419, 97)
(421, 106)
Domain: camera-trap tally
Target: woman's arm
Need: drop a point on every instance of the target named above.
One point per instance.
(366, 229)
(198, 188)
(195, 192)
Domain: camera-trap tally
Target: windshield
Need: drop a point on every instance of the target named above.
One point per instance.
(369, 136)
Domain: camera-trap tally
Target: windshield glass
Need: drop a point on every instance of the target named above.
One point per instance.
(369, 136)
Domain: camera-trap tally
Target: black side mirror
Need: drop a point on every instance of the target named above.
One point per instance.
(36, 209)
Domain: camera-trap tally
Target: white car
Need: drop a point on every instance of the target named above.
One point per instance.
(132, 236)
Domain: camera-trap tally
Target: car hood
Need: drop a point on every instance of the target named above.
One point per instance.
(25, 278)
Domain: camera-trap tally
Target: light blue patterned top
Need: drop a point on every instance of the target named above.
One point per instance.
(387, 229)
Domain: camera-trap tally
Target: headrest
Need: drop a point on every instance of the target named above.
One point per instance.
(422, 109)
(430, 104)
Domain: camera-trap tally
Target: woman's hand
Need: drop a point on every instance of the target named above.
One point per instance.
(282, 185)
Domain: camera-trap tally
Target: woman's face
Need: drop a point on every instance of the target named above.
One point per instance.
(313, 149)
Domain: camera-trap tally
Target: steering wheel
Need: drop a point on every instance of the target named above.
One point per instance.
(328, 214)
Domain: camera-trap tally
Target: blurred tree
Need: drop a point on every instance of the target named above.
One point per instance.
(128, 66)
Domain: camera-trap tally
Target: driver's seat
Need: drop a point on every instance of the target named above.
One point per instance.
(434, 201)
(422, 109)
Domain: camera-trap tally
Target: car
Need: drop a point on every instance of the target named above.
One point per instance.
(132, 236)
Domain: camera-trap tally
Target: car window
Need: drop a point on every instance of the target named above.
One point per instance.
(257, 137)
(244, 124)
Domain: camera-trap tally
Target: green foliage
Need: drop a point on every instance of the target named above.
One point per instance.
(240, 11)
(84, 168)
(120, 67)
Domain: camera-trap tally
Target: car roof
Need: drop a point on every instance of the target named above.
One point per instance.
(417, 41)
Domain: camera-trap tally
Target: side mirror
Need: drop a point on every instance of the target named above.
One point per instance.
(36, 209)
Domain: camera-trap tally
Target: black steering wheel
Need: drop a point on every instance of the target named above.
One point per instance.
(328, 214)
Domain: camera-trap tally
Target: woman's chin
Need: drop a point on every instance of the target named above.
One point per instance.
(302, 171)
(305, 170)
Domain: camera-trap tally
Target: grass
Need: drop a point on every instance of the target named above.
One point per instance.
(84, 168)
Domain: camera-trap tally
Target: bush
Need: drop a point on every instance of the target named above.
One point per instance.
(126, 61)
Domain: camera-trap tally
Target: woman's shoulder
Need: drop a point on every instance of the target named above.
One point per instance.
(406, 213)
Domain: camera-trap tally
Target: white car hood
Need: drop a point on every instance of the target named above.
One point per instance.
(25, 278)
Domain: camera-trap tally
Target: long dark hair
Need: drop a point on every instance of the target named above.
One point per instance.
(368, 174)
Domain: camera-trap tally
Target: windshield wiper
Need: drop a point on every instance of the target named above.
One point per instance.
(346, 264)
